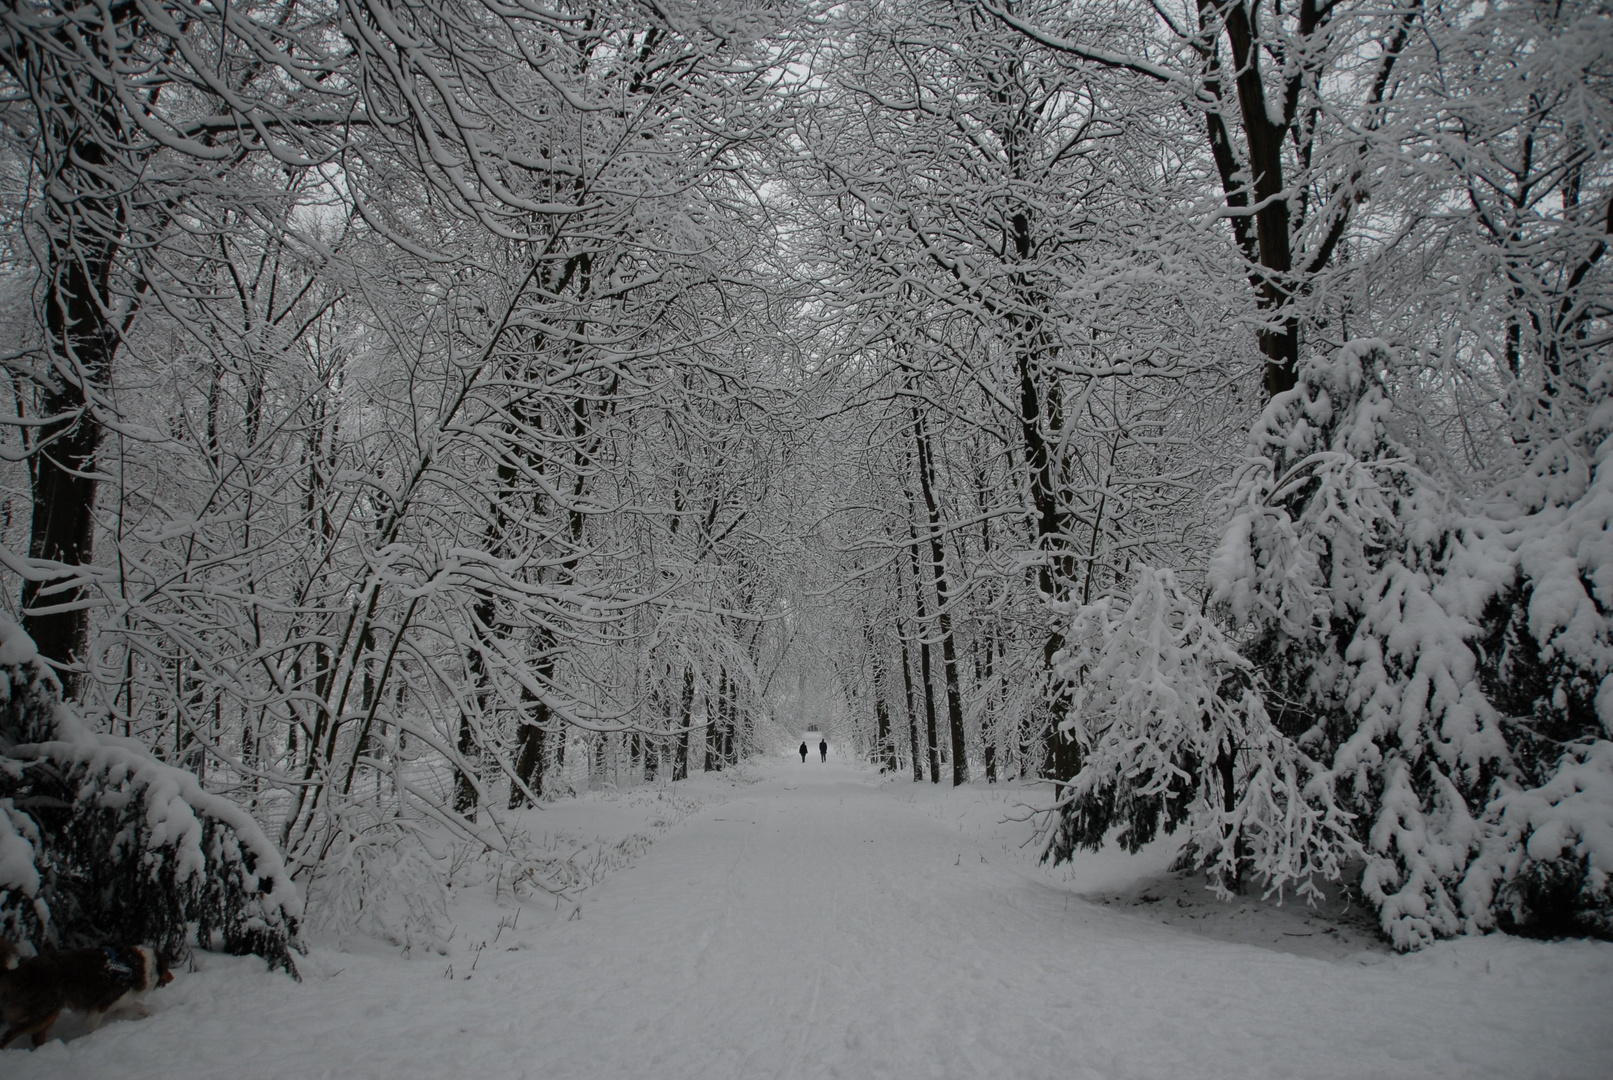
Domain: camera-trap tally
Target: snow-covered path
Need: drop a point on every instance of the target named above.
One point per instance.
(819, 923)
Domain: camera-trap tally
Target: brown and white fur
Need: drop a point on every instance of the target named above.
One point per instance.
(35, 989)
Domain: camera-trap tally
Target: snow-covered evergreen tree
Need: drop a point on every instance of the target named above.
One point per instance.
(1333, 565)
(1171, 729)
(1539, 559)
(1447, 662)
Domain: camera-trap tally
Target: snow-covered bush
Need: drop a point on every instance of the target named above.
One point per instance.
(1334, 570)
(388, 883)
(1171, 729)
(1455, 671)
(1385, 673)
(1539, 559)
(99, 841)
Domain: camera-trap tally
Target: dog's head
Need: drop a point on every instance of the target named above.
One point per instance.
(157, 970)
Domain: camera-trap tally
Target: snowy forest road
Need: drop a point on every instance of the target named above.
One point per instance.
(823, 923)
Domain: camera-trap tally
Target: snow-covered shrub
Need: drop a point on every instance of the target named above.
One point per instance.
(1170, 728)
(1385, 673)
(1333, 570)
(1539, 558)
(99, 841)
(23, 912)
(386, 883)
(1450, 663)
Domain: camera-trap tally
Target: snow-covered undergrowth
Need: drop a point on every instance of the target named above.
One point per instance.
(446, 891)
(1389, 677)
(100, 841)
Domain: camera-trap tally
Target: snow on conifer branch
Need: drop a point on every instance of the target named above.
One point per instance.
(1332, 571)
(1171, 730)
(1384, 675)
(101, 841)
(1446, 662)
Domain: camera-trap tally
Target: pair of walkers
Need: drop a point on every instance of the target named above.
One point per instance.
(823, 751)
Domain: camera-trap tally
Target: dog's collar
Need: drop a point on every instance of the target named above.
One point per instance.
(116, 967)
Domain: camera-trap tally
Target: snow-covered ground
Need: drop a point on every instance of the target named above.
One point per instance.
(811, 920)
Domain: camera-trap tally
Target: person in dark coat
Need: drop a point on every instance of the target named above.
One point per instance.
(803, 753)
(823, 750)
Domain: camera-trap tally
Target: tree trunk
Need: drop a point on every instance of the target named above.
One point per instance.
(531, 735)
(483, 616)
(464, 783)
(680, 763)
(912, 711)
(1056, 569)
(730, 722)
(1061, 759)
(83, 344)
(943, 605)
(887, 743)
(921, 614)
(714, 724)
(885, 751)
(530, 738)
(1225, 767)
(907, 681)
(988, 724)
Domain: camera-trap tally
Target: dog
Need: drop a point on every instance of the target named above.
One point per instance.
(35, 989)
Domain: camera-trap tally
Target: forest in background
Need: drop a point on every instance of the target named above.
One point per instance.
(418, 408)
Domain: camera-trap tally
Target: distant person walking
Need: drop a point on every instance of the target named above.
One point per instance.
(803, 753)
(823, 750)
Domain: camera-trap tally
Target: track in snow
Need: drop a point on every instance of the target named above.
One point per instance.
(820, 923)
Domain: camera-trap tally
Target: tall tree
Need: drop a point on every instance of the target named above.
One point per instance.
(1290, 99)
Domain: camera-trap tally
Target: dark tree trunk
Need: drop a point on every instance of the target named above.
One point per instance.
(985, 673)
(464, 783)
(714, 724)
(655, 745)
(63, 531)
(464, 780)
(1267, 245)
(1225, 767)
(680, 763)
(83, 343)
(652, 757)
(730, 722)
(885, 752)
(1056, 570)
(531, 735)
(1061, 758)
(907, 687)
(530, 738)
(921, 615)
(988, 725)
(943, 602)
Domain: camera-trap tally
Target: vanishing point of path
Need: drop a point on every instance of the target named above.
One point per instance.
(820, 923)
